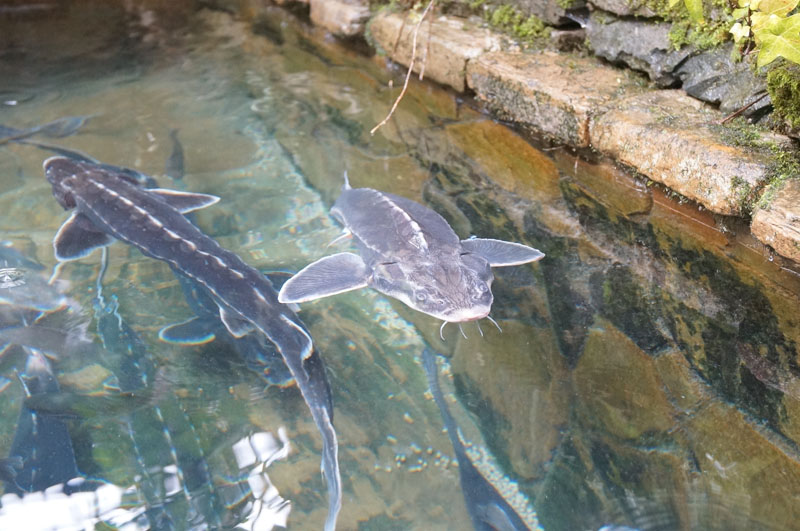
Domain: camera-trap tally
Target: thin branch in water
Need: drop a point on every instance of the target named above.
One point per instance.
(399, 36)
(740, 111)
(427, 45)
(410, 69)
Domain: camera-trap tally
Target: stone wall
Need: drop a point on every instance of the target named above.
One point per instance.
(669, 136)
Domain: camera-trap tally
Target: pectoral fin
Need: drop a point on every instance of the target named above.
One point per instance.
(499, 253)
(237, 326)
(78, 237)
(345, 235)
(327, 276)
(195, 331)
(184, 202)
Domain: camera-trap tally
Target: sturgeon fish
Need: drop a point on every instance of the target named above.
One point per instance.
(112, 205)
(409, 252)
(488, 509)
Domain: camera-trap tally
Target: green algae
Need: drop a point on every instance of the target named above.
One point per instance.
(623, 301)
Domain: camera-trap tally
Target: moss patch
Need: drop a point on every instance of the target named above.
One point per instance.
(783, 164)
(783, 85)
(527, 29)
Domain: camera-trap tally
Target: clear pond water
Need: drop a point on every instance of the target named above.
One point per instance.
(646, 374)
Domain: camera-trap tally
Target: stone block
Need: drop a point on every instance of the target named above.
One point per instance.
(554, 13)
(444, 46)
(345, 18)
(554, 94)
(778, 225)
(714, 77)
(625, 8)
(617, 386)
(640, 44)
(669, 137)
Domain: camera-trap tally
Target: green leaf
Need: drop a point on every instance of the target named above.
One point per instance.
(739, 14)
(758, 20)
(673, 3)
(695, 8)
(740, 32)
(778, 37)
(777, 7)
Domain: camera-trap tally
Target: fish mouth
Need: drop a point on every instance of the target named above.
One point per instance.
(463, 316)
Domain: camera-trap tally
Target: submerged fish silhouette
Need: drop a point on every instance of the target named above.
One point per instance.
(41, 441)
(112, 205)
(173, 168)
(254, 349)
(60, 128)
(409, 252)
(488, 509)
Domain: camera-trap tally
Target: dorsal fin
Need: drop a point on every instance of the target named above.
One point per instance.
(184, 202)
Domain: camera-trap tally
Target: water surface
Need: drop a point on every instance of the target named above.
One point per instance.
(647, 370)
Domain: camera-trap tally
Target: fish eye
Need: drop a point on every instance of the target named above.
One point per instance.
(481, 289)
(420, 296)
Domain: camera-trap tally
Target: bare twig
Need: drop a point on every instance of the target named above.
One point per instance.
(427, 46)
(410, 69)
(740, 111)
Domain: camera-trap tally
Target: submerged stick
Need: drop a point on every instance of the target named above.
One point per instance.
(410, 69)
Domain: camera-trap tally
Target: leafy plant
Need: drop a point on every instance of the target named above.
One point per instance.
(694, 7)
(769, 26)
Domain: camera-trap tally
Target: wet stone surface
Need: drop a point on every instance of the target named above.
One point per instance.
(778, 225)
(443, 46)
(698, 165)
(553, 95)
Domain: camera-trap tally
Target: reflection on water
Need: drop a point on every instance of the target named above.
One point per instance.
(647, 370)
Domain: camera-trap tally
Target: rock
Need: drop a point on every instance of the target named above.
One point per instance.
(345, 18)
(568, 40)
(443, 46)
(506, 158)
(778, 225)
(640, 44)
(713, 77)
(736, 459)
(551, 12)
(667, 136)
(625, 8)
(520, 379)
(609, 185)
(546, 91)
(617, 387)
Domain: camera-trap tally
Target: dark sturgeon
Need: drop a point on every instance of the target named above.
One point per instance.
(409, 252)
(112, 205)
(488, 509)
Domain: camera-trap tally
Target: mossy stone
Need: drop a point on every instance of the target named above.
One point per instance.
(783, 85)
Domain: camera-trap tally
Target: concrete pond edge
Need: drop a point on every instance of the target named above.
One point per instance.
(664, 135)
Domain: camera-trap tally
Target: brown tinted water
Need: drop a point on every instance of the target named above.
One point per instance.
(647, 370)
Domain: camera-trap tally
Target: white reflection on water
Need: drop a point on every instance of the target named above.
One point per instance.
(259, 451)
(55, 509)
